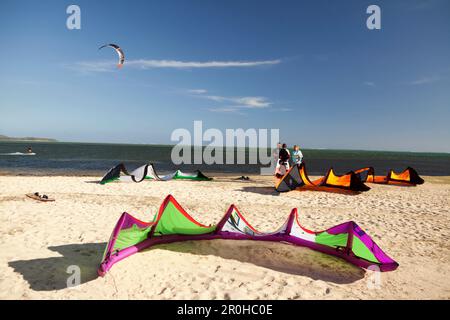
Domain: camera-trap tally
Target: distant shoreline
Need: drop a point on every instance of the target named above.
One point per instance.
(25, 139)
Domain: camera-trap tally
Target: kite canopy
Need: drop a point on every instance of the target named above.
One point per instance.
(119, 52)
(172, 223)
(148, 172)
(408, 177)
(297, 179)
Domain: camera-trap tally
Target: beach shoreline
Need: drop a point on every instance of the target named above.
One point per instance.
(39, 241)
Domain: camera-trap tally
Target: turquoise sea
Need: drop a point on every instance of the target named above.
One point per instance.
(61, 158)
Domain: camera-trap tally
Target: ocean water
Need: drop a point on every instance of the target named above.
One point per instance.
(60, 158)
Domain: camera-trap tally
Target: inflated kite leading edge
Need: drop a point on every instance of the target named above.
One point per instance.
(354, 181)
(297, 179)
(148, 172)
(408, 177)
(119, 52)
(172, 223)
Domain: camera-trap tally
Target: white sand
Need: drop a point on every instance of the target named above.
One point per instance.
(38, 241)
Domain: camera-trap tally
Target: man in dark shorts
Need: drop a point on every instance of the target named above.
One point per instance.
(283, 161)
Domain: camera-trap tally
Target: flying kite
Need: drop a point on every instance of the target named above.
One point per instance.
(119, 52)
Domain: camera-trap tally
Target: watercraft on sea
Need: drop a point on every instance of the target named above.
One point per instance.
(18, 154)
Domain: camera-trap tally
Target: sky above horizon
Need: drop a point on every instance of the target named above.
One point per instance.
(309, 68)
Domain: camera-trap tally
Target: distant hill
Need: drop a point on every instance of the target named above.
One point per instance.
(6, 138)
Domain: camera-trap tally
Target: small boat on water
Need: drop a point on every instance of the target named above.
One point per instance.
(18, 154)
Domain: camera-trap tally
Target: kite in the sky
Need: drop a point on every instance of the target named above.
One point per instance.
(119, 52)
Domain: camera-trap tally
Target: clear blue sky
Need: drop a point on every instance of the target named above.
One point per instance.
(310, 68)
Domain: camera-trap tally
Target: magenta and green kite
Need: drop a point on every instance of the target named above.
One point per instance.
(172, 223)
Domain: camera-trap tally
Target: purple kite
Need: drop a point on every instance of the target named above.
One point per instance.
(172, 223)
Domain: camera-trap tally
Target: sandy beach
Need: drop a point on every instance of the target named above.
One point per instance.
(39, 241)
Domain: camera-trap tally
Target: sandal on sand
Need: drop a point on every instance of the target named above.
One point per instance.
(37, 196)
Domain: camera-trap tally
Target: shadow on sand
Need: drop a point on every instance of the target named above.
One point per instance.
(260, 190)
(48, 274)
(279, 257)
(271, 190)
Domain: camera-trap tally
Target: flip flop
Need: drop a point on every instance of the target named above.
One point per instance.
(243, 178)
(38, 197)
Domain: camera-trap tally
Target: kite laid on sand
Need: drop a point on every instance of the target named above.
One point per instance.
(172, 223)
(297, 179)
(119, 52)
(354, 181)
(148, 172)
(408, 177)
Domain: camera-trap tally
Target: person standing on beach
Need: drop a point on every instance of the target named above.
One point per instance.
(297, 155)
(284, 157)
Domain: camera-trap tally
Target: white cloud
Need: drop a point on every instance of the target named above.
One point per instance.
(425, 80)
(236, 102)
(369, 83)
(225, 110)
(228, 110)
(147, 64)
(198, 91)
(254, 102)
(243, 102)
(108, 66)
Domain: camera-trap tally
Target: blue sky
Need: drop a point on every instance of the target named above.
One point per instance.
(310, 68)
